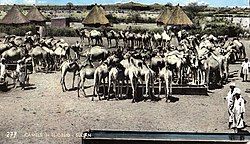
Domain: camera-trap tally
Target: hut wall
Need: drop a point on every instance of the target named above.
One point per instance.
(59, 22)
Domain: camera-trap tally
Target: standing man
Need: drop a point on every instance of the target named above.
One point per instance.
(245, 69)
(22, 73)
(230, 102)
(238, 111)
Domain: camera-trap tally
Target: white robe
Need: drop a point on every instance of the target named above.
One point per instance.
(245, 67)
(238, 110)
(230, 103)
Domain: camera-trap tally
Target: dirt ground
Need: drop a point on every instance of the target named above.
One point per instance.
(45, 114)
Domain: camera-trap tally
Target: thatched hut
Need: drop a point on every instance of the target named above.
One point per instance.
(164, 16)
(96, 18)
(35, 16)
(179, 18)
(103, 11)
(14, 17)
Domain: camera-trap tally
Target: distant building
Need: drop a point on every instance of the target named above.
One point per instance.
(14, 17)
(164, 16)
(60, 22)
(96, 18)
(179, 17)
(36, 17)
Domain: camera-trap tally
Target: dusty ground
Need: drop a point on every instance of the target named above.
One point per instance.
(45, 114)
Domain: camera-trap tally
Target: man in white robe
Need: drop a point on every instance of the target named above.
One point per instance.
(245, 69)
(230, 101)
(238, 111)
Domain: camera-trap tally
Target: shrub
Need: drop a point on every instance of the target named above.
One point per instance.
(67, 32)
(17, 30)
(218, 30)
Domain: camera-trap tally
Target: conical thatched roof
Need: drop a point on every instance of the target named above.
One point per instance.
(14, 16)
(35, 15)
(164, 16)
(96, 17)
(179, 17)
(103, 11)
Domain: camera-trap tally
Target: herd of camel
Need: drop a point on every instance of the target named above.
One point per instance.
(150, 58)
(146, 58)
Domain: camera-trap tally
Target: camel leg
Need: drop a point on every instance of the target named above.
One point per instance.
(116, 43)
(34, 65)
(104, 90)
(147, 87)
(167, 88)
(79, 85)
(127, 89)
(83, 89)
(170, 86)
(120, 88)
(73, 83)
(97, 87)
(95, 84)
(133, 88)
(153, 87)
(142, 89)
(61, 82)
(159, 87)
(203, 77)
(114, 89)
(109, 86)
(207, 76)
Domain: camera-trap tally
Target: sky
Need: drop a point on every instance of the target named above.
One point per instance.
(214, 3)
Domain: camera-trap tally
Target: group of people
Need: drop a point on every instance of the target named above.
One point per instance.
(236, 108)
(20, 74)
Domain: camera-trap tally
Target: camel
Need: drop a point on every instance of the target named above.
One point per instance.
(61, 52)
(96, 53)
(192, 64)
(175, 60)
(116, 76)
(39, 56)
(240, 48)
(135, 70)
(165, 38)
(97, 36)
(68, 66)
(87, 71)
(138, 40)
(157, 39)
(14, 53)
(129, 39)
(4, 47)
(111, 35)
(157, 63)
(83, 34)
(122, 36)
(131, 73)
(165, 75)
(50, 57)
(101, 73)
(146, 39)
(209, 62)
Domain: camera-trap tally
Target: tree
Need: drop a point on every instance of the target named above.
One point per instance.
(69, 6)
(169, 4)
(193, 9)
